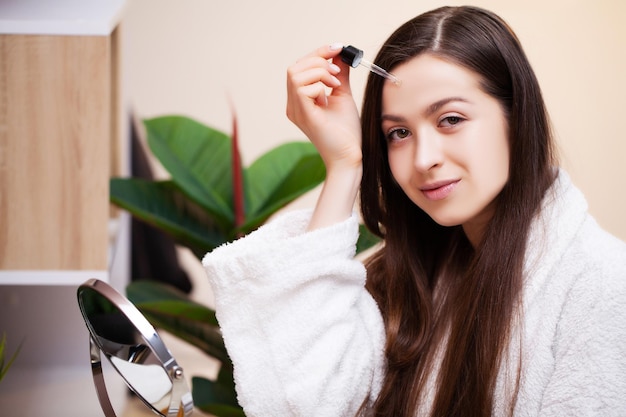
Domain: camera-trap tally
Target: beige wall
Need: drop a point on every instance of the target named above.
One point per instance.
(194, 56)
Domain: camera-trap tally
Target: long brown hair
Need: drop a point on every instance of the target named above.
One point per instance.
(478, 288)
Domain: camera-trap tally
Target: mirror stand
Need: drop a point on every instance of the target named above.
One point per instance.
(134, 349)
(98, 379)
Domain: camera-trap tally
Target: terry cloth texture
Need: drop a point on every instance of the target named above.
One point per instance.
(307, 339)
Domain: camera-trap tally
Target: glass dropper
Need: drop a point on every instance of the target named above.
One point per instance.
(354, 57)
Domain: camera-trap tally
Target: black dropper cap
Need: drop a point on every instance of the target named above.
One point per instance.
(351, 55)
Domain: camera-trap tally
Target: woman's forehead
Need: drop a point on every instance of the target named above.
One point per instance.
(428, 79)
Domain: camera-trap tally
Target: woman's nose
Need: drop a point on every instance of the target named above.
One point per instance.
(428, 152)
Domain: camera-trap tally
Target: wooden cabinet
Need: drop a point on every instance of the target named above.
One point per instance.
(61, 135)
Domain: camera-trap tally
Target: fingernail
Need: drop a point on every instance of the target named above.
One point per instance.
(335, 46)
(334, 68)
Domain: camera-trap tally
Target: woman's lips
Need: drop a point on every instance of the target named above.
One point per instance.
(439, 190)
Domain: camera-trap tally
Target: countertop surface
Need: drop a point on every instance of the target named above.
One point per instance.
(71, 392)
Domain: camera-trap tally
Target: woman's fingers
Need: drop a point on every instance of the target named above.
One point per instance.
(313, 78)
(324, 73)
(315, 92)
(307, 87)
(320, 103)
(322, 65)
(327, 51)
(312, 70)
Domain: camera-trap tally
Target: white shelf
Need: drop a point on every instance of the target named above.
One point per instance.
(117, 275)
(50, 277)
(60, 17)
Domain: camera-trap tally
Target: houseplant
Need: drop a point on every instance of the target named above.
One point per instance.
(209, 200)
(5, 363)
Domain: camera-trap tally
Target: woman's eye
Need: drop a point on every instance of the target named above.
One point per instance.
(398, 134)
(450, 121)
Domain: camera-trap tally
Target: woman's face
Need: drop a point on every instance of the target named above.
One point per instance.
(447, 141)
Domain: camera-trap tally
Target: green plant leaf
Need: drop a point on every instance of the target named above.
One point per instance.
(197, 157)
(182, 308)
(205, 337)
(146, 291)
(366, 239)
(215, 398)
(4, 364)
(169, 309)
(279, 177)
(196, 207)
(161, 204)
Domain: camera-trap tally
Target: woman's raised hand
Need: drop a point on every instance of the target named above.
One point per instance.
(320, 103)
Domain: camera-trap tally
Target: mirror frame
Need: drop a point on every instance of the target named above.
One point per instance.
(181, 401)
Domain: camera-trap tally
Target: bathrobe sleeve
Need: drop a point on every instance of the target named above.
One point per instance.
(589, 376)
(305, 337)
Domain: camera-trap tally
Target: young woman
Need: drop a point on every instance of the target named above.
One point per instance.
(494, 293)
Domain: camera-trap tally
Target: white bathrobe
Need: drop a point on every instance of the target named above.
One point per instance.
(307, 339)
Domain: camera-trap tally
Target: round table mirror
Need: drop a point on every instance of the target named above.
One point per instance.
(132, 346)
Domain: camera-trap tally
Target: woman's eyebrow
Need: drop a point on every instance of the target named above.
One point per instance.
(430, 110)
(433, 108)
(392, 118)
